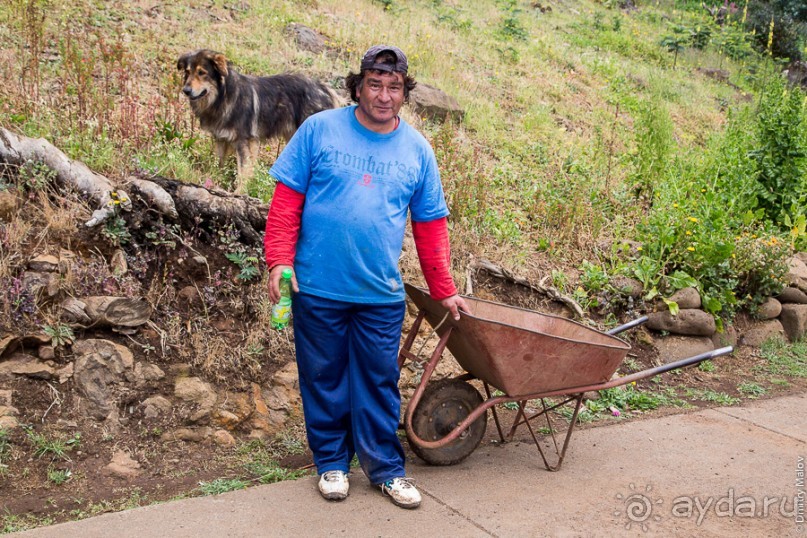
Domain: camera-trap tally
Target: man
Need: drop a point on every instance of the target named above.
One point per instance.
(346, 182)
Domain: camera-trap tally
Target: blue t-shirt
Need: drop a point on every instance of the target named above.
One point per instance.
(359, 186)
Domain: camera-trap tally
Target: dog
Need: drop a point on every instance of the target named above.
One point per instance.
(240, 111)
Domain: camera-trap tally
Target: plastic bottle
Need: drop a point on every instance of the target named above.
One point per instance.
(281, 312)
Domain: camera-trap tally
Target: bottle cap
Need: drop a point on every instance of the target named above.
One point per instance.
(286, 273)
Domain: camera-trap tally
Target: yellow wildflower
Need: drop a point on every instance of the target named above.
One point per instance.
(691, 249)
(688, 232)
(693, 219)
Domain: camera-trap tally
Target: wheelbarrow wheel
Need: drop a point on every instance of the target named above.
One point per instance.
(443, 406)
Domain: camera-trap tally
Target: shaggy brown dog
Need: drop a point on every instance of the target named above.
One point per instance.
(241, 110)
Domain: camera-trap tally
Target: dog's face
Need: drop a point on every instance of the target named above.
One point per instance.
(202, 71)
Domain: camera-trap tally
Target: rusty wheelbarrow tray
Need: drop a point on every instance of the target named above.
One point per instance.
(525, 355)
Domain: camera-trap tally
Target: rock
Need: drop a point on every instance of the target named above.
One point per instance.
(797, 73)
(105, 311)
(687, 298)
(5, 396)
(25, 365)
(8, 423)
(118, 264)
(797, 273)
(727, 338)
(760, 332)
(630, 287)
(199, 261)
(433, 103)
(145, 372)
(122, 466)
(8, 411)
(591, 395)
(196, 392)
(792, 295)
(801, 256)
(8, 205)
(99, 366)
(225, 419)
(189, 297)
(156, 406)
(47, 283)
(46, 353)
(306, 38)
(673, 348)
(188, 434)
(223, 438)
(689, 322)
(64, 374)
(794, 320)
(284, 392)
(44, 263)
(770, 309)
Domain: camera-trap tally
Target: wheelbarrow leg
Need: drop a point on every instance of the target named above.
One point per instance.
(406, 349)
(495, 414)
(578, 400)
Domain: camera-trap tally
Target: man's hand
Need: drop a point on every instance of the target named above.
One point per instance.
(455, 303)
(274, 282)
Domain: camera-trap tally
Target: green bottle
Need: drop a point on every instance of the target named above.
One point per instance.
(281, 312)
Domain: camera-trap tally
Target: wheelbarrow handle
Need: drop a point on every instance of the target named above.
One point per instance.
(629, 325)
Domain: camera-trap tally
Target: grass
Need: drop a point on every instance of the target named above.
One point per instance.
(55, 448)
(784, 359)
(222, 485)
(708, 395)
(751, 390)
(59, 476)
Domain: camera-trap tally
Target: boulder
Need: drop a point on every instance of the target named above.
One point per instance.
(673, 348)
(223, 438)
(770, 309)
(45, 283)
(145, 372)
(194, 391)
(726, 338)
(430, 102)
(306, 38)
(8, 423)
(687, 298)
(5, 396)
(794, 320)
(689, 322)
(21, 364)
(188, 434)
(792, 295)
(44, 263)
(100, 366)
(797, 273)
(760, 332)
(627, 286)
(156, 406)
(122, 466)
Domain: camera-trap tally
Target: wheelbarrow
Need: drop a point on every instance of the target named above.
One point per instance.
(525, 356)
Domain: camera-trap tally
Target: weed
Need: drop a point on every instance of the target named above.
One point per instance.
(59, 476)
(248, 265)
(707, 366)
(709, 395)
(751, 389)
(783, 359)
(55, 448)
(60, 334)
(222, 485)
(17, 523)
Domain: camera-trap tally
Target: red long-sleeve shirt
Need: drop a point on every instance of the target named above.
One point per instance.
(431, 241)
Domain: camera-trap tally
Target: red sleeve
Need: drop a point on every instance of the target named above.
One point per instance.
(434, 251)
(283, 226)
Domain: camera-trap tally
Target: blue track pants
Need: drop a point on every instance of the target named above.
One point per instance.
(347, 357)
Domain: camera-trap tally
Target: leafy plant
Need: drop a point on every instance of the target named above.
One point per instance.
(60, 334)
(709, 395)
(785, 359)
(751, 389)
(59, 476)
(55, 448)
(248, 265)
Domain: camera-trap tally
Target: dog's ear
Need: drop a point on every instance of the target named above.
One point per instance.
(220, 61)
(182, 63)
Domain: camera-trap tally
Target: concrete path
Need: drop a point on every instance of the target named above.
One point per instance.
(736, 471)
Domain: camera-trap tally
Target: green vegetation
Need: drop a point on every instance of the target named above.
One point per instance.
(708, 395)
(222, 485)
(783, 359)
(55, 448)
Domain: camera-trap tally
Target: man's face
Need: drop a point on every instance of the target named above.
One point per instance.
(380, 97)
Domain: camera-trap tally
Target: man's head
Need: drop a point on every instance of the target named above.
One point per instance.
(381, 60)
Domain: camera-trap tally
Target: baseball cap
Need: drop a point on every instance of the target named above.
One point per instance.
(401, 65)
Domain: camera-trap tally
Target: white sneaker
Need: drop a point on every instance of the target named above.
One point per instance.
(333, 485)
(402, 492)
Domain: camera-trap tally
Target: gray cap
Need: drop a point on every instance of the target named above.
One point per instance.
(401, 65)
